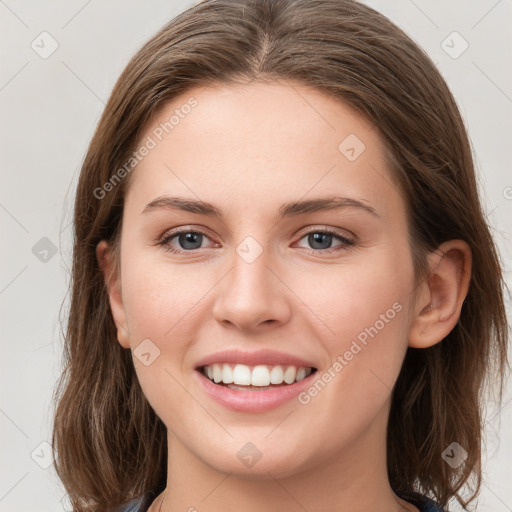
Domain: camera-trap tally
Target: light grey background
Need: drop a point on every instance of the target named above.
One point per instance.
(49, 110)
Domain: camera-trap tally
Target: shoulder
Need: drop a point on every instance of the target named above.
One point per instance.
(430, 506)
(136, 505)
(421, 502)
(425, 504)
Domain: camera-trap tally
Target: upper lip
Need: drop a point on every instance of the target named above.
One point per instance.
(254, 358)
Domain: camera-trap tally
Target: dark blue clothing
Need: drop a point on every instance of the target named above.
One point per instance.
(141, 504)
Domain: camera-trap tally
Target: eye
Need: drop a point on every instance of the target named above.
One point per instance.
(191, 240)
(321, 239)
(186, 238)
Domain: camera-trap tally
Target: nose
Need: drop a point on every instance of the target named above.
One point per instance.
(254, 294)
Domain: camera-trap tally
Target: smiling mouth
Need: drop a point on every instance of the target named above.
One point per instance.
(255, 378)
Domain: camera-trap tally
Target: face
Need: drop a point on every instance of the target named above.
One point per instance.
(264, 286)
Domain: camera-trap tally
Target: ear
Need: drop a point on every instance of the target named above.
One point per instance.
(105, 256)
(441, 295)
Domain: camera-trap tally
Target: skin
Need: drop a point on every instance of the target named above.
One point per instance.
(248, 149)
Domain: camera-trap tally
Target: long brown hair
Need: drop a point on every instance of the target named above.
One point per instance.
(108, 443)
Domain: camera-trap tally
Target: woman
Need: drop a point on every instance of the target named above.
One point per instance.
(261, 369)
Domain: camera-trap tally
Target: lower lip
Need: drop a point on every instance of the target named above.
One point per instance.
(253, 401)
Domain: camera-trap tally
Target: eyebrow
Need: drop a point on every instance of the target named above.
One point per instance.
(289, 209)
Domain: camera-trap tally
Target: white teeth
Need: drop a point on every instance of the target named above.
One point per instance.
(242, 375)
(217, 373)
(290, 374)
(260, 375)
(301, 374)
(227, 374)
(276, 375)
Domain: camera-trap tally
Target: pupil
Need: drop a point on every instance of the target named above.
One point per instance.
(315, 238)
(186, 238)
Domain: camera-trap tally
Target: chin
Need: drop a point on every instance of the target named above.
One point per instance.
(253, 462)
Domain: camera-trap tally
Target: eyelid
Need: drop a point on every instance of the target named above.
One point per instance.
(342, 233)
(347, 241)
(303, 232)
(186, 228)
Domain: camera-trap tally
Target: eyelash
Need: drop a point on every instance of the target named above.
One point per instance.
(347, 242)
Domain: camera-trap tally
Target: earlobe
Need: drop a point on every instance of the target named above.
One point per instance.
(104, 255)
(441, 295)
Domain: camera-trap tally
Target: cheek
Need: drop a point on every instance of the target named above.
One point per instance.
(370, 323)
(160, 296)
(365, 316)
(160, 302)
(348, 299)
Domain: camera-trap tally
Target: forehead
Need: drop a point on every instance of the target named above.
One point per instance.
(261, 141)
